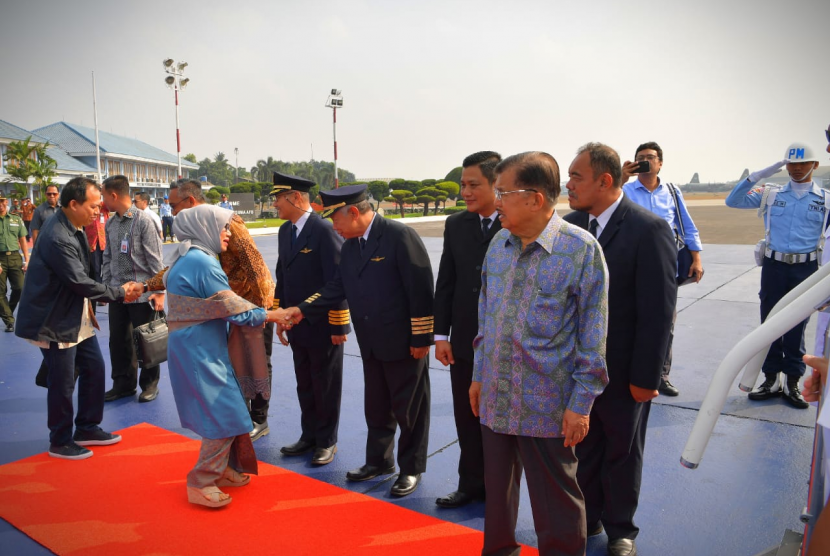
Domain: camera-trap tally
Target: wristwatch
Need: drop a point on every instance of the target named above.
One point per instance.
(146, 287)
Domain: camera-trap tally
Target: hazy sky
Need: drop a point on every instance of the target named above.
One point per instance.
(721, 85)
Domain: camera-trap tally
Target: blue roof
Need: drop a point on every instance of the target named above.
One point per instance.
(79, 141)
(11, 131)
(67, 162)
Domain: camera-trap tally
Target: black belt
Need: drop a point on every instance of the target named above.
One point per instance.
(7, 253)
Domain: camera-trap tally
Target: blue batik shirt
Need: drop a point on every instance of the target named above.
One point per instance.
(543, 320)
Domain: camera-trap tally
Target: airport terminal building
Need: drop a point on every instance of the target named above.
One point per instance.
(72, 147)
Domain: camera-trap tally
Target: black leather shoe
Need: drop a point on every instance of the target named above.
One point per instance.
(9, 328)
(667, 388)
(622, 547)
(406, 484)
(792, 394)
(458, 498)
(770, 388)
(148, 394)
(299, 447)
(114, 394)
(594, 530)
(259, 430)
(322, 456)
(368, 472)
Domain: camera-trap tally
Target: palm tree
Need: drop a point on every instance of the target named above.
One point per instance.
(21, 165)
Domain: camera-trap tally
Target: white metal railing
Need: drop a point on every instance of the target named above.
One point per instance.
(753, 368)
(809, 296)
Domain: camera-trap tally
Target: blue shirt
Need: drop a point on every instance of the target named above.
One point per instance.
(542, 324)
(165, 210)
(661, 203)
(795, 225)
(226, 205)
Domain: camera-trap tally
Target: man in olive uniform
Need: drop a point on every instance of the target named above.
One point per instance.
(309, 252)
(12, 264)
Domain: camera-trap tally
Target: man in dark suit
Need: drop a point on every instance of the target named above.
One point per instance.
(641, 256)
(466, 238)
(309, 252)
(386, 276)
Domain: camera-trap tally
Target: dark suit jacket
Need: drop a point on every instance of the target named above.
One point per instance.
(459, 280)
(641, 256)
(389, 288)
(304, 269)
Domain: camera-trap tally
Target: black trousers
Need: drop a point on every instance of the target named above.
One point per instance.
(611, 462)
(167, 227)
(777, 279)
(123, 318)
(259, 405)
(62, 364)
(555, 499)
(13, 272)
(667, 360)
(319, 372)
(396, 393)
(468, 427)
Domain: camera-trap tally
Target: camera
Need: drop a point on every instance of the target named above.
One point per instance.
(643, 166)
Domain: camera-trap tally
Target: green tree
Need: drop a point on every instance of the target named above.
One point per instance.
(212, 196)
(400, 197)
(450, 189)
(220, 190)
(429, 195)
(379, 190)
(413, 186)
(25, 160)
(190, 157)
(454, 175)
(245, 187)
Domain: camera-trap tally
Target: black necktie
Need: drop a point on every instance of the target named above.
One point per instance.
(592, 227)
(485, 226)
(362, 244)
(293, 234)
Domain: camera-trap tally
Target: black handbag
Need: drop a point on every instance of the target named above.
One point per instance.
(151, 341)
(684, 254)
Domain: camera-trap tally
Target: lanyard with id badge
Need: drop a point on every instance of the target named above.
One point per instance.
(125, 244)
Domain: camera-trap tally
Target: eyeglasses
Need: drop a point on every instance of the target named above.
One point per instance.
(227, 227)
(51, 194)
(500, 194)
(174, 205)
(649, 157)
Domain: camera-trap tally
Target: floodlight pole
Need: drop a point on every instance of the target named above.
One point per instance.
(334, 133)
(178, 134)
(175, 82)
(335, 99)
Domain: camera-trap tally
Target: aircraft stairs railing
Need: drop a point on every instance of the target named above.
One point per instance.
(811, 295)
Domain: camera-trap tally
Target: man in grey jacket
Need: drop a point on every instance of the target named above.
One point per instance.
(133, 252)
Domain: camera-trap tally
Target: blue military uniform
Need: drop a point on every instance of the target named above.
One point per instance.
(795, 227)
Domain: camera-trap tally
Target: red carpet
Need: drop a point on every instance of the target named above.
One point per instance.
(130, 499)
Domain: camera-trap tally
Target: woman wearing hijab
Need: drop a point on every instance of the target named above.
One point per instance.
(206, 389)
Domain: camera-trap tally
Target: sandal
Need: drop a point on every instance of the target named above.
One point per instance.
(233, 478)
(209, 496)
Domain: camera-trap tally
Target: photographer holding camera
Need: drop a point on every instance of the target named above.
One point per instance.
(665, 200)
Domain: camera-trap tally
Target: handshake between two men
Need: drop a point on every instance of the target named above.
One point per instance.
(134, 290)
